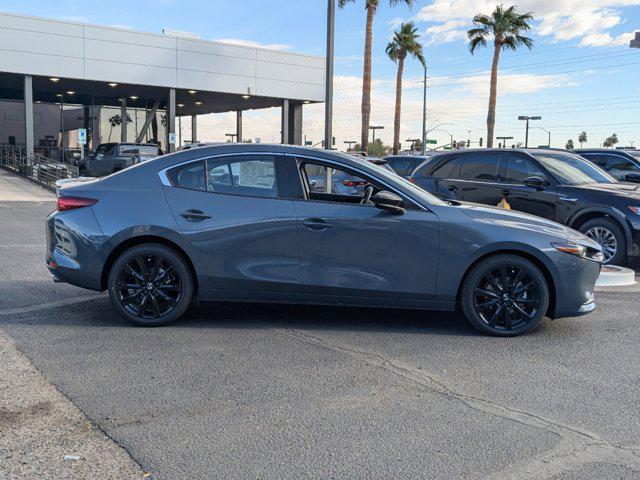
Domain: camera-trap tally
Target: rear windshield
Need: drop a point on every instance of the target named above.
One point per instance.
(142, 150)
(573, 170)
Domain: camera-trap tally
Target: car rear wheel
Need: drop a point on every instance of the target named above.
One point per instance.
(150, 285)
(610, 237)
(505, 295)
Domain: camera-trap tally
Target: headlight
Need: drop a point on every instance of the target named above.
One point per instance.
(634, 208)
(580, 250)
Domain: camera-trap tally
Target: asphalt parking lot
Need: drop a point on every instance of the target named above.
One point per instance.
(272, 392)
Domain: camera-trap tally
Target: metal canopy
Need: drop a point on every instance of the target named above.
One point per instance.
(86, 92)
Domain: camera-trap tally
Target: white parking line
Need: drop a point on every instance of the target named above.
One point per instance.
(57, 303)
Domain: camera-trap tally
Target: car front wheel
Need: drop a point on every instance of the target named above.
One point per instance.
(505, 295)
(610, 237)
(150, 285)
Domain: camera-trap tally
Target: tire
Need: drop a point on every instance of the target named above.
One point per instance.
(153, 272)
(488, 284)
(609, 235)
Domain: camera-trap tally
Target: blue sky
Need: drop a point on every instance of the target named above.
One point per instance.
(581, 75)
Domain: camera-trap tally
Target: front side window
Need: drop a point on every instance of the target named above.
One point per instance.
(479, 168)
(520, 168)
(401, 165)
(342, 183)
(449, 169)
(617, 163)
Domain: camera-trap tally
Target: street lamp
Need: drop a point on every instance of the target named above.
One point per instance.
(231, 136)
(413, 142)
(549, 133)
(448, 133)
(328, 94)
(374, 128)
(526, 135)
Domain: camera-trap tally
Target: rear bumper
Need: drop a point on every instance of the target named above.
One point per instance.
(74, 240)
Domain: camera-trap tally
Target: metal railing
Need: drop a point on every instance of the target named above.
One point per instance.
(38, 168)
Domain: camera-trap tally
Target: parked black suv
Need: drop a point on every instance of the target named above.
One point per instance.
(623, 165)
(557, 185)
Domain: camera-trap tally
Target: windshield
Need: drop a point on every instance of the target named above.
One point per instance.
(634, 154)
(573, 170)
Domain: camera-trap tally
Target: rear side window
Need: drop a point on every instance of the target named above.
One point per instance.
(449, 169)
(190, 175)
(252, 176)
(479, 168)
(519, 168)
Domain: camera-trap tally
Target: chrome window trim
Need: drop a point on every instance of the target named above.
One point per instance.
(165, 180)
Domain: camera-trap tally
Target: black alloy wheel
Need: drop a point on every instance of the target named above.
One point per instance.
(505, 295)
(150, 285)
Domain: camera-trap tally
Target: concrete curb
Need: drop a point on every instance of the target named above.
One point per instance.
(614, 276)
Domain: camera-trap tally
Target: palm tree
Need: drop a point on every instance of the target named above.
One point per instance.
(371, 6)
(582, 138)
(569, 145)
(610, 141)
(405, 42)
(505, 26)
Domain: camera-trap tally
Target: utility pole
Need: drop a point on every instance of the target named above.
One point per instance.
(504, 140)
(526, 135)
(374, 128)
(424, 112)
(328, 95)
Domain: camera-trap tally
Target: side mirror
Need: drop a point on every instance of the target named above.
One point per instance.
(534, 182)
(632, 177)
(388, 201)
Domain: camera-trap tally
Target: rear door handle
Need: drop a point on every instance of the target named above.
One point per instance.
(316, 224)
(506, 193)
(194, 215)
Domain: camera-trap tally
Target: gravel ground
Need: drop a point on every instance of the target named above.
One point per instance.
(44, 436)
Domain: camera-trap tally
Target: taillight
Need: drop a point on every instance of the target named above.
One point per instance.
(354, 183)
(71, 203)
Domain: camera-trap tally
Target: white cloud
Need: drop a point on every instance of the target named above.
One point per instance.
(606, 40)
(251, 43)
(585, 20)
(446, 32)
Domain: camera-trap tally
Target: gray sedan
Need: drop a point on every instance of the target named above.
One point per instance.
(241, 223)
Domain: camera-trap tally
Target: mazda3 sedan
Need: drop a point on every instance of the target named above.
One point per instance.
(241, 223)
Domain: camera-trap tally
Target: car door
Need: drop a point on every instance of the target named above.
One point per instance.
(618, 166)
(442, 178)
(233, 210)
(350, 249)
(514, 169)
(478, 178)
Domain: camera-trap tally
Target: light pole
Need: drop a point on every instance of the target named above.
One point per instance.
(328, 95)
(231, 136)
(526, 135)
(413, 142)
(374, 128)
(549, 133)
(447, 132)
(424, 112)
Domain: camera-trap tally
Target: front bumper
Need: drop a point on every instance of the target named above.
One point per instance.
(575, 282)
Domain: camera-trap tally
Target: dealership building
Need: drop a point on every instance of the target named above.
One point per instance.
(57, 77)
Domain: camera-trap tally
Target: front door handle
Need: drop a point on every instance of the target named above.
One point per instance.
(452, 188)
(316, 224)
(194, 215)
(506, 193)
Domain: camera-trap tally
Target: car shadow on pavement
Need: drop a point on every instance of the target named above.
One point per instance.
(255, 315)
